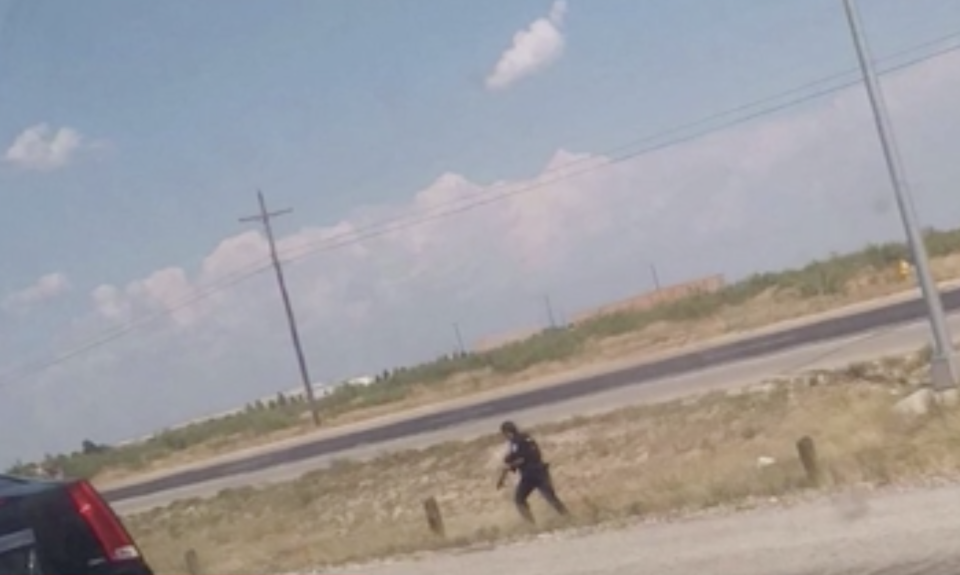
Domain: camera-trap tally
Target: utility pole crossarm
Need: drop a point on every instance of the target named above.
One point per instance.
(267, 216)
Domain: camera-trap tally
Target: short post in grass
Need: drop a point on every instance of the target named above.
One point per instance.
(434, 518)
(192, 562)
(808, 457)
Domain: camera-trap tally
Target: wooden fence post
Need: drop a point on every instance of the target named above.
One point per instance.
(192, 561)
(434, 518)
(808, 457)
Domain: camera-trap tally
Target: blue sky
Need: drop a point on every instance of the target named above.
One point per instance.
(346, 110)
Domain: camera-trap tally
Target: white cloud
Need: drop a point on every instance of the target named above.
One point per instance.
(532, 50)
(773, 192)
(41, 148)
(108, 300)
(46, 288)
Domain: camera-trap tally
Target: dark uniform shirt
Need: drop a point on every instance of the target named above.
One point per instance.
(524, 455)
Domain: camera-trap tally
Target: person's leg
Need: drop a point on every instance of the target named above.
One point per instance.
(545, 486)
(524, 488)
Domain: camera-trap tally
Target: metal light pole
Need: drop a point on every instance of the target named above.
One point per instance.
(945, 366)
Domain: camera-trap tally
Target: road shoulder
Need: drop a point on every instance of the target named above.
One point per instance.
(859, 532)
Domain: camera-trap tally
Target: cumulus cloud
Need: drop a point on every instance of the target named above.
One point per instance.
(533, 49)
(44, 289)
(773, 192)
(41, 148)
(109, 302)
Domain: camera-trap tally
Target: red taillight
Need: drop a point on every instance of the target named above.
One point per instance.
(108, 530)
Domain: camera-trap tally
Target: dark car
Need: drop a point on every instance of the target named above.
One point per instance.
(62, 528)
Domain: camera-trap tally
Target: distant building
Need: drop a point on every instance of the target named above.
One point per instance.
(362, 380)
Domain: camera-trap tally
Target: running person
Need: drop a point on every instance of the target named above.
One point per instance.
(524, 457)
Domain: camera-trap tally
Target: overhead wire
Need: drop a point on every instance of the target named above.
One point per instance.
(611, 159)
(461, 205)
(618, 154)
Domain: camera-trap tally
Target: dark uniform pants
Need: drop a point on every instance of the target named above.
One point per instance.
(536, 480)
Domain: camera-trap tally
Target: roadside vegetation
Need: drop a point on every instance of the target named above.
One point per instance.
(717, 451)
(756, 301)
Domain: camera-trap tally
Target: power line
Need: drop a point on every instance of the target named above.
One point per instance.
(253, 270)
(616, 155)
(347, 239)
(424, 215)
(443, 211)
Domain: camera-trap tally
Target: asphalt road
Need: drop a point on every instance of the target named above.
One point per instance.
(884, 533)
(771, 343)
(833, 354)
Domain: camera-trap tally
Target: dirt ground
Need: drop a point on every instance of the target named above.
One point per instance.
(884, 531)
(647, 461)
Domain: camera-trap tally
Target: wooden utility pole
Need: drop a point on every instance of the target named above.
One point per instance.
(655, 277)
(551, 318)
(460, 346)
(264, 217)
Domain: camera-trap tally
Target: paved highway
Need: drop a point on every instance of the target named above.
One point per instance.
(891, 533)
(738, 362)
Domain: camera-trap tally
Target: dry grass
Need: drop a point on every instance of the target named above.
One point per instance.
(768, 308)
(684, 455)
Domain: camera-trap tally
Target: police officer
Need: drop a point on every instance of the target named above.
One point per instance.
(524, 457)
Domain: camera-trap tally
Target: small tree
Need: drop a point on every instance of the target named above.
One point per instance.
(88, 447)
